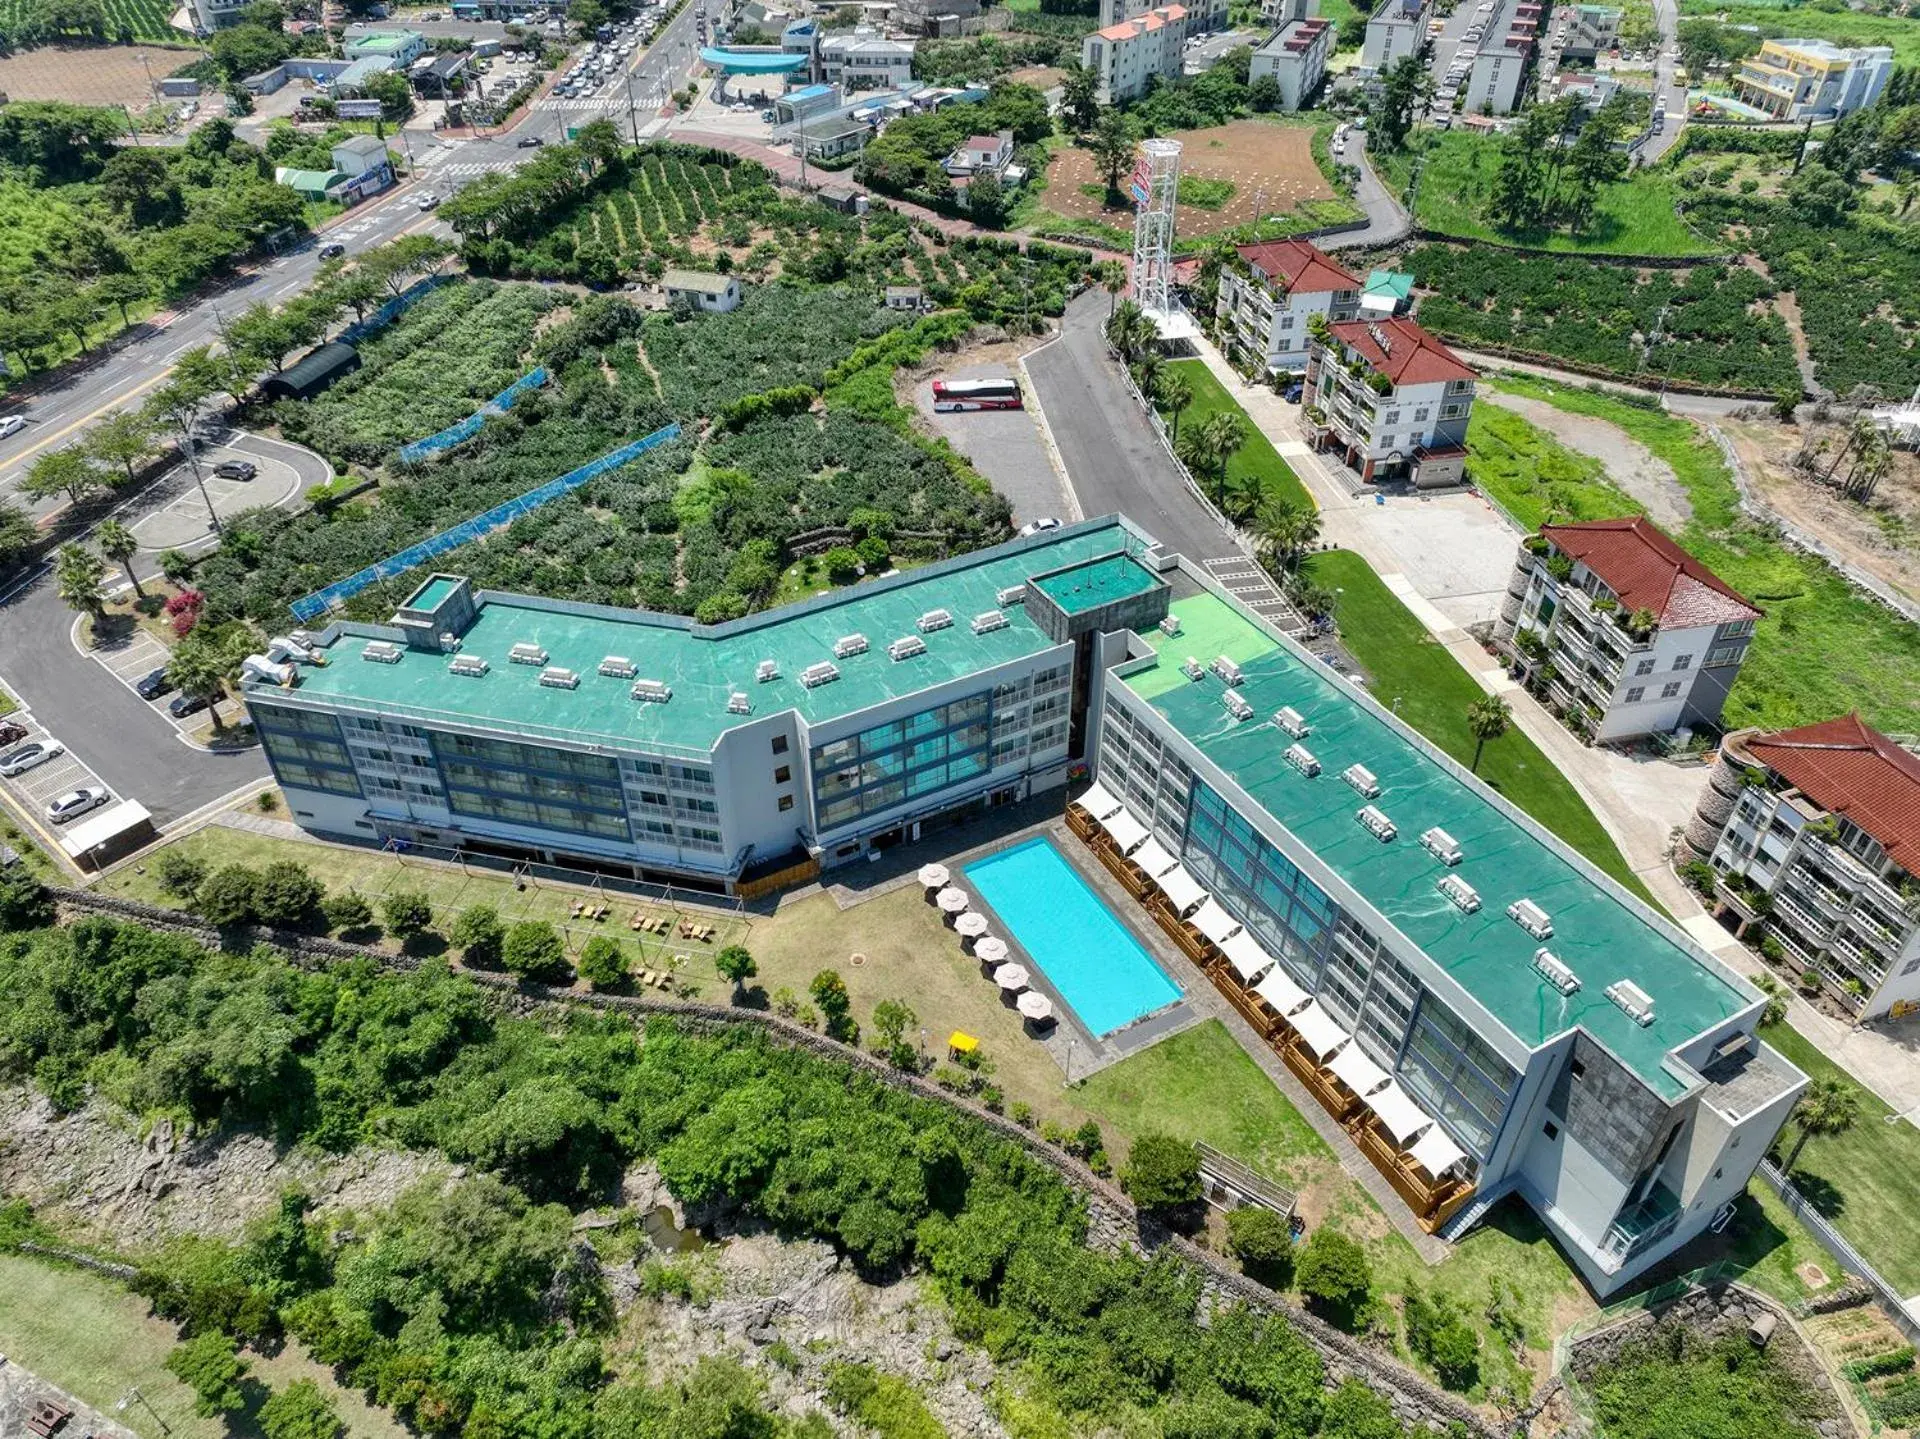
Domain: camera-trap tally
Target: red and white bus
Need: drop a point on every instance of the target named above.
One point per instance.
(977, 395)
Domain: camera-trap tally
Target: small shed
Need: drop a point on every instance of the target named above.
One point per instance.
(357, 154)
(313, 372)
(1388, 292)
(106, 836)
(906, 297)
(702, 289)
(310, 184)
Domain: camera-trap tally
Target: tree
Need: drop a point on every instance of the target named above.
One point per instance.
(1263, 95)
(210, 1365)
(534, 950)
(288, 896)
(1080, 96)
(203, 663)
(243, 50)
(1819, 196)
(178, 872)
(66, 471)
(1162, 1173)
(1112, 146)
(118, 544)
(1487, 718)
(1437, 1332)
(24, 901)
(408, 913)
(394, 94)
(829, 992)
(892, 1018)
(17, 533)
(1333, 1275)
(225, 897)
(986, 200)
(603, 963)
(1405, 84)
(1284, 530)
(1828, 1107)
(1174, 392)
(138, 183)
(347, 912)
(479, 936)
(121, 289)
(78, 573)
(123, 439)
(1263, 1243)
(736, 965)
(1112, 275)
(300, 1411)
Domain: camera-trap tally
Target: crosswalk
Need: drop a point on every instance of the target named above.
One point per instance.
(587, 104)
(1242, 577)
(468, 169)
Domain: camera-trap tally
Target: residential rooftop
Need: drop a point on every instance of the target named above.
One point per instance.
(1298, 265)
(1598, 931)
(707, 665)
(1642, 565)
(1402, 351)
(1849, 768)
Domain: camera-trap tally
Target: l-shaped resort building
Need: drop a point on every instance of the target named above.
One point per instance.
(1484, 1011)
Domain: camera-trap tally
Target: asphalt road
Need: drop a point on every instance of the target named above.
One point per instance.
(1666, 15)
(1386, 221)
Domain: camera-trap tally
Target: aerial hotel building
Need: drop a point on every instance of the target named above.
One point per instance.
(1497, 1017)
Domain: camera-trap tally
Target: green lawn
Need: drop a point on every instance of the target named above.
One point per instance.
(1257, 466)
(1407, 665)
(1815, 22)
(8, 704)
(1822, 648)
(1632, 217)
(1533, 475)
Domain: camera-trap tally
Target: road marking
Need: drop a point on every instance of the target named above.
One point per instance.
(87, 419)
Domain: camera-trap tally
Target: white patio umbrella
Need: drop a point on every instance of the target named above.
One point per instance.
(971, 925)
(1011, 976)
(1035, 1006)
(934, 876)
(990, 949)
(952, 900)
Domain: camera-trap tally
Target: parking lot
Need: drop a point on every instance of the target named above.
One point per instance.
(180, 520)
(1004, 445)
(34, 789)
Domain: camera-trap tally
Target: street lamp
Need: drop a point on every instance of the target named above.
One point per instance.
(133, 1394)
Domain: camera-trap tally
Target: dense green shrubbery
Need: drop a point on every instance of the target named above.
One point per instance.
(1672, 1382)
(470, 1307)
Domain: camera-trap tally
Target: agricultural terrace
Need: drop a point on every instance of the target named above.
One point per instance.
(1821, 648)
(1231, 176)
(1457, 169)
(694, 527)
(1717, 323)
(1772, 19)
(92, 74)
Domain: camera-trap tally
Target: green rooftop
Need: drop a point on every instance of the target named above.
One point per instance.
(1089, 586)
(429, 595)
(705, 665)
(1595, 930)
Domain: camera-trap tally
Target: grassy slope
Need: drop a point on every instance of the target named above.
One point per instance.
(1633, 217)
(1822, 648)
(1256, 458)
(1407, 664)
(1842, 27)
(1533, 475)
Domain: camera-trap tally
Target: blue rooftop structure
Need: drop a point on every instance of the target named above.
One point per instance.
(753, 62)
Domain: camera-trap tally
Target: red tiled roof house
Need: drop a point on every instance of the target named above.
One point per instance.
(1391, 400)
(1269, 298)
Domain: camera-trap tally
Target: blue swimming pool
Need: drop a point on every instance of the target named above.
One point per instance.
(1099, 968)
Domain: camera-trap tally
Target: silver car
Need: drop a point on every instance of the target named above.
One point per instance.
(29, 755)
(75, 803)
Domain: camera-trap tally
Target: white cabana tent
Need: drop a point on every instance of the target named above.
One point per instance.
(1153, 858)
(952, 900)
(1353, 1068)
(1011, 976)
(934, 876)
(1436, 1152)
(1214, 922)
(1318, 1030)
(1244, 953)
(1279, 990)
(1182, 890)
(1401, 1115)
(971, 925)
(1035, 1006)
(1097, 802)
(990, 949)
(1128, 833)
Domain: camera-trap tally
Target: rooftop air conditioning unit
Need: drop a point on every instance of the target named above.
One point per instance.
(1530, 917)
(526, 654)
(906, 647)
(1292, 721)
(450, 643)
(987, 621)
(1238, 707)
(849, 645)
(656, 692)
(1170, 625)
(933, 620)
(1465, 897)
(1301, 758)
(382, 652)
(1374, 819)
(766, 670)
(619, 667)
(1011, 595)
(824, 673)
(739, 704)
(1442, 846)
(470, 665)
(1554, 971)
(1192, 670)
(1637, 1003)
(1361, 778)
(1227, 670)
(556, 678)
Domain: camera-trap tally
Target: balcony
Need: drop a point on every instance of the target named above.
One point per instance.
(1787, 904)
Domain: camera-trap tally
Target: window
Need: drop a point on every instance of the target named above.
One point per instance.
(783, 775)
(1421, 415)
(1670, 689)
(1682, 662)
(1725, 655)
(1578, 1070)
(1634, 694)
(779, 744)
(1552, 1130)
(786, 803)
(1645, 667)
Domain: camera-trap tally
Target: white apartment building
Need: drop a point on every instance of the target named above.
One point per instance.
(1396, 30)
(1203, 16)
(1813, 79)
(1642, 638)
(1583, 32)
(1125, 56)
(1392, 400)
(1268, 300)
(1502, 56)
(865, 60)
(1814, 835)
(1296, 56)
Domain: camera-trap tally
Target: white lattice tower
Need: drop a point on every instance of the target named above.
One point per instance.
(1155, 186)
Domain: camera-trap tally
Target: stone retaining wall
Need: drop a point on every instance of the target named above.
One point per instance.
(1113, 1222)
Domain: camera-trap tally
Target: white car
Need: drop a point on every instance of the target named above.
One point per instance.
(11, 425)
(428, 201)
(25, 757)
(1034, 527)
(75, 803)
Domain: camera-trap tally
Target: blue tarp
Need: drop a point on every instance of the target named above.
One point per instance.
(392, 310)
(320, 601)
(453, 434)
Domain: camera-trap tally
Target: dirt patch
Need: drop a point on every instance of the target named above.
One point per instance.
(1041, 77)
(1629, 464)
(91, 74)
(1270, 166)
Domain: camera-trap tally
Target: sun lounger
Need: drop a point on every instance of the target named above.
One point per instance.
(636, 922)
(578, 906)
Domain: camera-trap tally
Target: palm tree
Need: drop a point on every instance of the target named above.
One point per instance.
(78, 572)
(1829, 1107)
(1129, 330)
(1174, 392)
(1224, 432)
(1488, 718)
(1283, 529)
(202, 666)
(1112, 276)
(118, 544)
(1147, 372)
